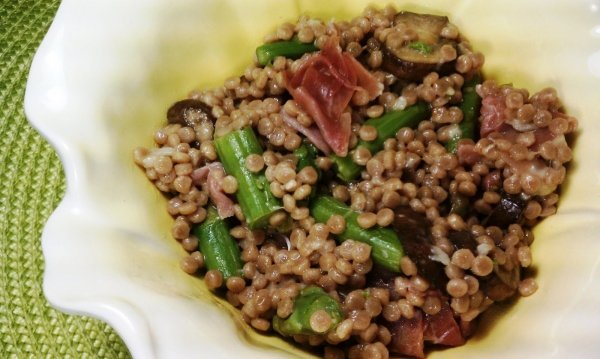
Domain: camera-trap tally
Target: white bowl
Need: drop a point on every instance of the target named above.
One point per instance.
(107, 71)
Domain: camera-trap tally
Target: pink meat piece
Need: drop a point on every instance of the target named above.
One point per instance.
(410, 335)
(466, 152)
(492, 114)
(211, 176)
(323, 86)
(312, 133)
(407, 336)
(442, 328)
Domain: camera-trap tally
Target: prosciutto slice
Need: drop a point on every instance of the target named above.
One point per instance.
(410, 335)
(312, 132)
(536, 175)
(323, 86)
(442, 328)
(407, 335)
(466, 152)
(492, 114)
(211, 176)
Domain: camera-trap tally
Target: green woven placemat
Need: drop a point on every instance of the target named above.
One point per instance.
(32, 184)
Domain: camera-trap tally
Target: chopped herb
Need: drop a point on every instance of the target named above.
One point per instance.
(420, 47)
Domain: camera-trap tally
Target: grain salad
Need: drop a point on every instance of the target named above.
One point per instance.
(361, 188)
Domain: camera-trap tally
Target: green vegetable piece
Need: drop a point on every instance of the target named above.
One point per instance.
(345, 168)
(292, 49)
(386, 249)
(220, 250)
(307, 154)
(387, 126)
(309, 316)
(459, 204)
(253, 194)
(470, 107)
(421, 47)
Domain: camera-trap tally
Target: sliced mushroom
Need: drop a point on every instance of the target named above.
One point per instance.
(508, 211)
(463, 240)
(189, 112)
(416, 47)
(414, 230)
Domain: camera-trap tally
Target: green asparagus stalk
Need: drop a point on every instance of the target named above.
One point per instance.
(315, 312)
(345, 167)
(220, 250)
(307, 154)
(459, 204)
(253, 194)
(386, 249)
(387, 126)
(292, 49)
(470, 107)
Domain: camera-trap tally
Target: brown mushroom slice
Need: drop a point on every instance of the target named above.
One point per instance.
(189, 112)
(416, 46)
(510, 210)
(414, 230)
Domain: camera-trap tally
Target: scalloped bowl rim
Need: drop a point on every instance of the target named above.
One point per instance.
(120, 289)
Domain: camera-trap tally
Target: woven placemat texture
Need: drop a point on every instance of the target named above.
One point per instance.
(32, 184)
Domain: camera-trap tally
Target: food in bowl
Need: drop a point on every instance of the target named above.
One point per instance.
(361, 188)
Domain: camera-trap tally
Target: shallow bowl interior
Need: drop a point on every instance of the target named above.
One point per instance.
(107, 71)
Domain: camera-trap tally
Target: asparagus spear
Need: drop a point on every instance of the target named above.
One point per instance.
(459, 204)
(386, 249)
(306, 154)
(470, 107)
(315, 312)
(253, 194)
(220, 250)
(387, 126)
(292, 49)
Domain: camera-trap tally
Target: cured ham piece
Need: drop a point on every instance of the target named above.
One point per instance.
(211, 175)
(467, 153)
(492, 114)
(535, 174)
(323, 86)
(494, 119)
(442, 328)
(407, 336)
(312, 133)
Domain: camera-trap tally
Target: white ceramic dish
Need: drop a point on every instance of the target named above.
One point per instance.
(107, 70)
